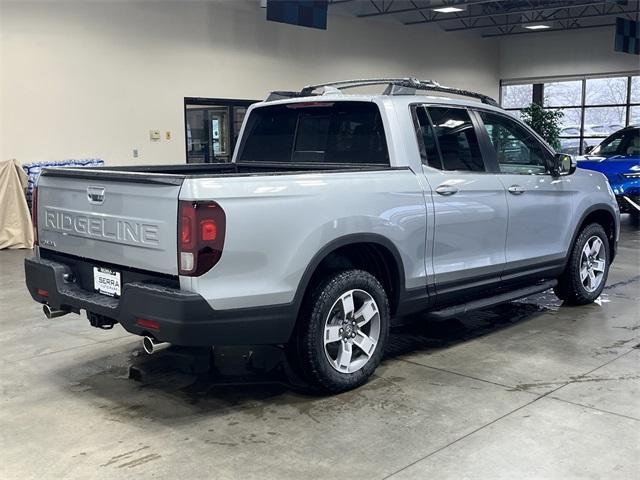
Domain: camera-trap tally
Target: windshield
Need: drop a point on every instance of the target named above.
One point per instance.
(316, 132)
(622, 143)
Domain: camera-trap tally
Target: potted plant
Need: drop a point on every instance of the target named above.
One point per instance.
(545, 122)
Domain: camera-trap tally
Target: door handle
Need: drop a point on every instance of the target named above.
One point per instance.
(446, 190)
(516, 190)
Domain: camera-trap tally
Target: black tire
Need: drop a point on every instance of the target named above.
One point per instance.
(307, 349)
(570, 287)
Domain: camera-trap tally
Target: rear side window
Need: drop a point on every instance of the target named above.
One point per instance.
(328, 132)
(449, 139)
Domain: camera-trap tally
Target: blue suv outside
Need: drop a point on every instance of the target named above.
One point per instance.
(618, 157)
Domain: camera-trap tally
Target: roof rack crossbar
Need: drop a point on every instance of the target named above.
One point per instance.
(406, 84)
(363, 82)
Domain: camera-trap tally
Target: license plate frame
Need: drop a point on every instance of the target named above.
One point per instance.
(107, 282)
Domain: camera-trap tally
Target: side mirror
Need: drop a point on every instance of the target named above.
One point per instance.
(563, 164)
(589, 148)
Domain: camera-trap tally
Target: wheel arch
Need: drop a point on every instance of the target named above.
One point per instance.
(604, 215)
(368, 251)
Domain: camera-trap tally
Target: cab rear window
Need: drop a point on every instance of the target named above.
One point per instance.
(318, 132)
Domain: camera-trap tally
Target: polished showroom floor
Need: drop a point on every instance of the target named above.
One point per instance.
(526, 390)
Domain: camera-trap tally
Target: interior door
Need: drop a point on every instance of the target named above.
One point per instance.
(468, 201)
(540, 205)
(218, 134)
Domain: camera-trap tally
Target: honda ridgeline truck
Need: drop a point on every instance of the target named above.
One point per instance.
(338, 213)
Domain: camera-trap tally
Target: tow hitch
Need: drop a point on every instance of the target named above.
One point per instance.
(100, 321)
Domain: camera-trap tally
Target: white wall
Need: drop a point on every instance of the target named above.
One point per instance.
(90, 79)
(575, 52)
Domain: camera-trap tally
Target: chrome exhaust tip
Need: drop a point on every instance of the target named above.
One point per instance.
(51, 313)
(151, 345)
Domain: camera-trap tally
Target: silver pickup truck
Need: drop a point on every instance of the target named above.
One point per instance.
(338, 213)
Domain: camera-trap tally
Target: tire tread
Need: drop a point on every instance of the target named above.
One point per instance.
(313, 366)
(569, 287)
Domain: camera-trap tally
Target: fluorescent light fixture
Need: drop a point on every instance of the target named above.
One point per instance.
(536, 27)
(448, 9)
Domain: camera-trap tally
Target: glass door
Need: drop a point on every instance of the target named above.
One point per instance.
(212, 127)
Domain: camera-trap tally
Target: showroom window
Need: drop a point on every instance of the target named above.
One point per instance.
(593, 107)
(515, 97)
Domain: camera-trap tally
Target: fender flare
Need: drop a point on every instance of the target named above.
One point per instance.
(594, 208)
(342, 242)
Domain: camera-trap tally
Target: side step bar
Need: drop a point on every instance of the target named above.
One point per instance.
(490, 301)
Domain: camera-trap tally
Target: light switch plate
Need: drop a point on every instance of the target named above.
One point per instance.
(167, 135)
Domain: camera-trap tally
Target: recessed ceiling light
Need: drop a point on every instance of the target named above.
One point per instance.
(536, 27)
(448, 9)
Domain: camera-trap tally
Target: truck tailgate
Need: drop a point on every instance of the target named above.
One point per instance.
(124, 219)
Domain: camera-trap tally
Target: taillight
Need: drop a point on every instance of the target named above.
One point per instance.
(34, 214)
(201, 230)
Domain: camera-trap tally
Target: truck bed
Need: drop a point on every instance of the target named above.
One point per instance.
(175, 174)
(128, 215)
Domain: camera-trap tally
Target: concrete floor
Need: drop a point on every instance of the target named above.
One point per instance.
(525, 390)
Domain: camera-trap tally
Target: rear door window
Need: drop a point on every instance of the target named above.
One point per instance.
(448, 139)
(321, 132)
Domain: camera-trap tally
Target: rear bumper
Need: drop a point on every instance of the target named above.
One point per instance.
(183, 318)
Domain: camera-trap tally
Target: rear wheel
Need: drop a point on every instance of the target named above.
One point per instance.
(342, 331)
(587, 269)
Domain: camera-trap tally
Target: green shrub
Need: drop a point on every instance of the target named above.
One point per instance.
(545, 122)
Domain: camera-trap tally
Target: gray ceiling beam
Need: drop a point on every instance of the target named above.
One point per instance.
(528, 32)
(429, 8)
(513, 12)
(542, 20)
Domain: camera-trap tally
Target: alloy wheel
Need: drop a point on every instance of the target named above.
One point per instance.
(592, 264)
(352, 331)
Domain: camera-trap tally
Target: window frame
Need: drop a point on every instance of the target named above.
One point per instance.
(538, 97)
(492, 152)
(490, 167)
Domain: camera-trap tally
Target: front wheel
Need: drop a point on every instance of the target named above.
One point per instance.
(342, 331)
(587, 269)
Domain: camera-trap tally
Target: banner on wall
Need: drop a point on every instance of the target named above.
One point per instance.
(305, 13)
(627, 38)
